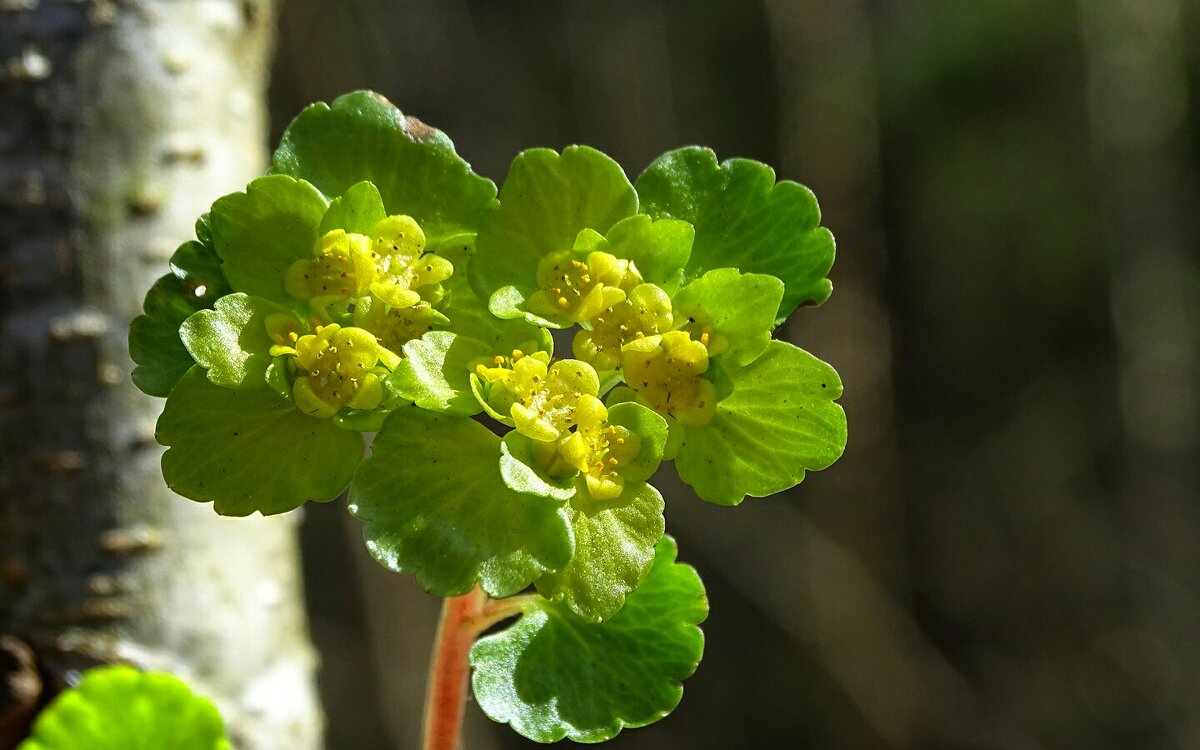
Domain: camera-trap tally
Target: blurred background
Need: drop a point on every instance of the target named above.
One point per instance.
(1008, 555)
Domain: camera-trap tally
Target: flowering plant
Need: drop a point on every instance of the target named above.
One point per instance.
(372, 284)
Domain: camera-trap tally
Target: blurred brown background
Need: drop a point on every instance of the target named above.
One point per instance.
(1008, 555)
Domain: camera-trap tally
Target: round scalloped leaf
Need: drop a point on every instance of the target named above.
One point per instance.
(744, 220)
(247, 451)
(435, 373)
(659, 248)
(260, 233)
(364, 137)
(195, 283)
(614, 546)
(553, 674)
(358, 210)
(433, 503)
(779, 421)
(120, 708)
(231, 341)
(740, 307)
(546, 200)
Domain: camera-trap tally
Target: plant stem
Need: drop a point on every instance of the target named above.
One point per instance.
(463, 619)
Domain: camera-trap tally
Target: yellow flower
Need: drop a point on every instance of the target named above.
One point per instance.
(395, 327)
(403, 276)
(646, 311)
(541, 398)
(665, 371)
(341, 269)
(335, 366)
(575, 291)
(599, 449)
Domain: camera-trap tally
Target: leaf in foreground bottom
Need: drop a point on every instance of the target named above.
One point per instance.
(553, 674)
(120, 708)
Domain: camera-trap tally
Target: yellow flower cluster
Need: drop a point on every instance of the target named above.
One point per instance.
(629, 324)
(556, 406)
(386, 284)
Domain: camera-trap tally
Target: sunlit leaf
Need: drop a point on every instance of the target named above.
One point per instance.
(553, 674)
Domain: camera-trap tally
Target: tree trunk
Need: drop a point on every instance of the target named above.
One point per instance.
(119, 123)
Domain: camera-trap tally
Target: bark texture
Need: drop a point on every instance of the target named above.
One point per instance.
(119, 123)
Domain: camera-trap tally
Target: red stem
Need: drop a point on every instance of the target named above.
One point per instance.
(448, 670)
(463, 619)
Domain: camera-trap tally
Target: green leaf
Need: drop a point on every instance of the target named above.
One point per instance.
(546, 200)
(779, 421)
(195, 283)
(739, 307)
(364, 137)
(519, 469)
(120, 708)
(433, 503)
(553, 674)
(260, 233)
(435, 373)
(614, 546)
(744, 220)
(247, 451)
(231, 340)
(660, 249)
(469, 315)
(359, 209)
(650, 428)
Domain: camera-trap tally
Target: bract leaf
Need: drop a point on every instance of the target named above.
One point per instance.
(260, 233)
(740, 307)
(195, 283)
(231, 340)
(469, 315)
(546, 200)
(614, 546)
(435, 373)
(659, 248)
(358, 210)
(519, 469)
(247, 451)
(433, 503)
(744, 220)
(779, 421)
(553, 674)
(120, 708)
(651, 429)
(362, 136)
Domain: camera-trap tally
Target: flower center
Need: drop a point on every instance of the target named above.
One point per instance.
(575, 291)
(646, 311)
(665, 370)
(599, 449)
(335, 366)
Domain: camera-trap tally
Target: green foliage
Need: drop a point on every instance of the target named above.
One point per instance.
(614, 546)
(372, 283)
(780, 421)
(120, 708)
(195, 283)
(247, 451)
(260, 233)
(433, 504)
(554, 675)
(743, 220)
(364, 137)
(546, 201)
